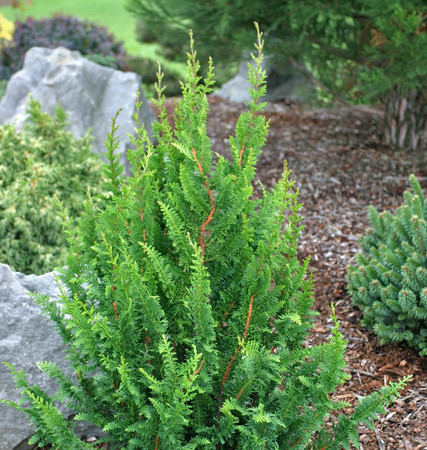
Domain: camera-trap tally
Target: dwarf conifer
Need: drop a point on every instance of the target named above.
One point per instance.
(185, 307)
(40, 165)
(389, 281)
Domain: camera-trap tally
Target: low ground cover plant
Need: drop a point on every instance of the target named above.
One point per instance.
(39, 166)
(89, 39)
(185, 307)
(389, 281)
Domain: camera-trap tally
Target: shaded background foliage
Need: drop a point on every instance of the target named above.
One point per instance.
(359, 51)
(333, 38)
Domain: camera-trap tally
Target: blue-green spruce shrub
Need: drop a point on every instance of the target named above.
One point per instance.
(389, 281)
(185, 308)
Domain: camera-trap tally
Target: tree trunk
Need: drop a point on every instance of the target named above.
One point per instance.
(405, 124)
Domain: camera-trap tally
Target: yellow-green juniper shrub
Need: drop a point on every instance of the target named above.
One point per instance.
(39, 166)
(185, 308)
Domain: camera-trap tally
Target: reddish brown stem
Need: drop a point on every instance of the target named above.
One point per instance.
(245, 333)
(203, 227)
(115, 388)
(221, 393)
(115, 311)
(225, 315)
(240, 393)
(198, 370)
(157, 443)
(212, 207)
(300, 439)
(248, 319)
(241, 154)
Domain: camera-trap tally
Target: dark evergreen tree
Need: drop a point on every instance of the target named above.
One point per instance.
(363, 50)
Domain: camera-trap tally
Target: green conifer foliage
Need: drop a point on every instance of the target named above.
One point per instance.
(38, 166)
(389, 282)
(185, 306)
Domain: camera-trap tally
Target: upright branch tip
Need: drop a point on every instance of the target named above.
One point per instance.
(260, 43)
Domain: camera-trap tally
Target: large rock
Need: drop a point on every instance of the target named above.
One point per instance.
(90, 94)
(283, 83)
(26, 337)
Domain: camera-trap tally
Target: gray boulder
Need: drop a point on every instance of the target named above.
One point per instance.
(26, 337)
(283, 83)
(90, 94)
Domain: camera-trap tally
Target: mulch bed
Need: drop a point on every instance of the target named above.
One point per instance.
(340, 167)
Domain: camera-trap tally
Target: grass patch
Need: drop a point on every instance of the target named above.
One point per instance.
(111, 14)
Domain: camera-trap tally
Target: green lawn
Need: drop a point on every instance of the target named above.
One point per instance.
(109, 13)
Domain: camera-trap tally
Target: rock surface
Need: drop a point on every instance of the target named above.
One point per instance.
(90, 94)
(283, 83)
(26, 337)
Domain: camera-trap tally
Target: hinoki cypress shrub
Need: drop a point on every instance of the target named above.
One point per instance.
(185, 307)
(389, 281)
(40, 165)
